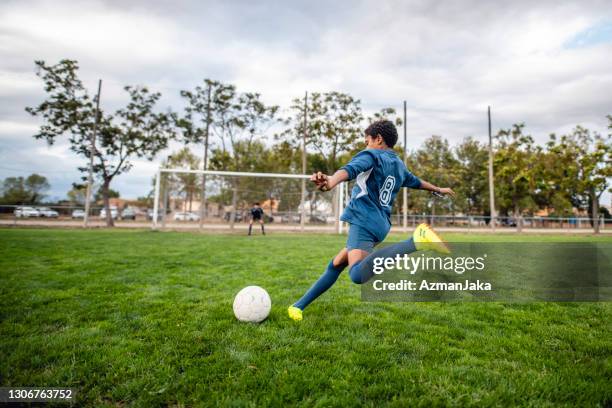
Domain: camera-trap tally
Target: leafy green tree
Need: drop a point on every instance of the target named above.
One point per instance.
(19, 190)
(133, 131)
(515, 167)
(586, 160)
(29, 190)
(100, 193)
(36, 185)
(186, 183)
(243, 120)
(386, 114)
(251, 120)
(471, 171)
(206, 114)
(77, 194)
(145, 201)
(554, 190)
(333, 126)
(236, 120)
(14, 191)
(216, 105)
(435, 162)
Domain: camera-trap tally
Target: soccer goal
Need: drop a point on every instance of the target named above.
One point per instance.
(223, 200)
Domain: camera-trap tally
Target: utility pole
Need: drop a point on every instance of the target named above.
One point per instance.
(203, 212)
(491, 184)
(304, 133)
(165, 201)
(404, 190)
(92, 152)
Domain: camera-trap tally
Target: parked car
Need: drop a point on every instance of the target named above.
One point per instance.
(47, 212)
(128, 214)
(113, 212)
(160, 214)
(288, 218)
(26, 212)
(237, 216)
(186, 216)
(78, 214)
(317, 219)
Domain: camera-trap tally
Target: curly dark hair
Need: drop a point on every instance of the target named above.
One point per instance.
(384, 128)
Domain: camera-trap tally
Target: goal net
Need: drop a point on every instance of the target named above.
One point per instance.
(223, 200)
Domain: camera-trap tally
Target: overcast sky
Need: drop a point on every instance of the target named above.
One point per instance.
(545, 63)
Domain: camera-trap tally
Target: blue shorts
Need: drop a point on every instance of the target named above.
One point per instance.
(360, 238)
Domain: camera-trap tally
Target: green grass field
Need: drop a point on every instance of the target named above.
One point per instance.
(145, 319)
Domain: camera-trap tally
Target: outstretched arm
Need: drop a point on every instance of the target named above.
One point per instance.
(326, 183)
(412, 181)
(358, 164)
(440, 190)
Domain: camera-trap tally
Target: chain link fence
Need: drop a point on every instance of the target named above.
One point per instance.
(137, 217)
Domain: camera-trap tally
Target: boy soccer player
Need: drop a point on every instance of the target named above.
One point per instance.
(379, 174)
(256, 215)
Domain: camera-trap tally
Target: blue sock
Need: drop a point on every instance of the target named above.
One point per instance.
(361, 271)
(325, 282)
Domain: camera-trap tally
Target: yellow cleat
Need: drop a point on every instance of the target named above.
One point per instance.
(295, 313)
(425, 238)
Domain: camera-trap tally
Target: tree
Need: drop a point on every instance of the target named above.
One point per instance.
(246, 123)
(99, 195)
(187, 183)
(77, 194)
(587, 165)
(471, 186)
(17, 190)
(36, 185)
(244, 119)
(133, 131)
(435, 163)
(210, 111)
(217, 109)
(253, 117)
(386, 114)
(555, 189)
(516, 171)
(145, 201)
(14, 191)
(333, 126)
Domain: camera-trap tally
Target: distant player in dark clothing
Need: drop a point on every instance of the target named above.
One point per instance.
(257, 215)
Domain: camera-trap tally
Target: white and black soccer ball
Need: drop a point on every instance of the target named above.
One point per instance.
(252, 304)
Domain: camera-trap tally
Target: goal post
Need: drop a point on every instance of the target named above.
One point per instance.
(236, 190)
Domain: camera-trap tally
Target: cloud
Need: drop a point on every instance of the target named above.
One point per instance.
(595, 34)
(543, 63)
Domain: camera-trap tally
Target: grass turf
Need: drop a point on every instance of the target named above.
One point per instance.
(145, 319)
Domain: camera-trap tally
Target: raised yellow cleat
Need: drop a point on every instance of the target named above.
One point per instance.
(294, 313)
(426, 239)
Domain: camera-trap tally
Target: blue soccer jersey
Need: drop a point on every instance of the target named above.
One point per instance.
(378, 175)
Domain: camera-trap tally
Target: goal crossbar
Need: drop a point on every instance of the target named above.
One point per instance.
(239, 174)
(236, 173)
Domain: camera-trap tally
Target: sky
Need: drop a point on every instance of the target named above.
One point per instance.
(544, 63)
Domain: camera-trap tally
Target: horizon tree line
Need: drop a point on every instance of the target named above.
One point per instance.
(569, 171)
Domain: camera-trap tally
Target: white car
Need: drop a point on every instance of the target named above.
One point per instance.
(47, 212)
(128, 214)
(160, 215)
(186, 216)
(78, 214)
(26, 212)
(113, 212)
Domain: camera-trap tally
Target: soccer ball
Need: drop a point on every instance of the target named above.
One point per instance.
(252, 304)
